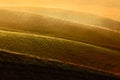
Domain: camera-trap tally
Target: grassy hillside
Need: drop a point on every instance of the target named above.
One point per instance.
(56, 40)
(21, 67)
(92, 33)
(61, 49)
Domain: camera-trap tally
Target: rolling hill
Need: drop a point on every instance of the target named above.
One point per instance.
(61, 49)
(73, 16)
(21, 66)
(50, 26)
(67, 39)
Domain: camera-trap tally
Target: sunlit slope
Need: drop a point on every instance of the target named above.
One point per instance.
(74, 16)
(61, 49)
(56, 27)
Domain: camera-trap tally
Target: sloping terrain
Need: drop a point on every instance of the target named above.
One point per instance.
(19, 66)
(73, 16)
(44, 25)
(91, 47)
(61, 49)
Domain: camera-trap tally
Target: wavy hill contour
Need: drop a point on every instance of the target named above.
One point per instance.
(74, 44)
(45, 25)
